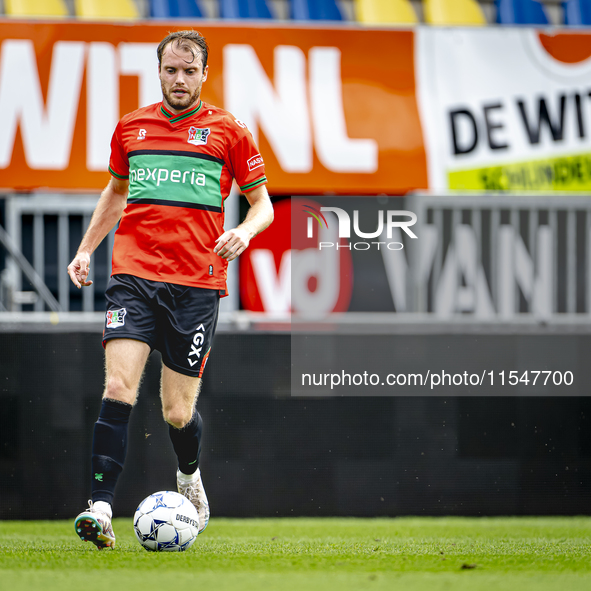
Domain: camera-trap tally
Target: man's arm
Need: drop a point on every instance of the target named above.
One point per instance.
(107, 213)
(259, 216)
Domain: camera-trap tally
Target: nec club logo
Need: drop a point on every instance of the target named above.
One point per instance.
(116, 318)
(198, 137)
(255, 162)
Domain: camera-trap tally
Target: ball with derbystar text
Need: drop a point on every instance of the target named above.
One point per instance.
(166, 522)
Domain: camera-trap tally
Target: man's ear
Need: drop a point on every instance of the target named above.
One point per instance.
(205, 74)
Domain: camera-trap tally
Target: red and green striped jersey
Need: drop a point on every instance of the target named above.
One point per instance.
(180, 170)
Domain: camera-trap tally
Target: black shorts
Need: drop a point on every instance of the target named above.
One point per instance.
(177, 320)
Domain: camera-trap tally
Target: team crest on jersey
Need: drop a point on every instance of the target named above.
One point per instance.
(198, 137)
(116, 318)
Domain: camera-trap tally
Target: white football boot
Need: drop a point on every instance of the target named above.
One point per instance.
(94, 525)
(191, 487)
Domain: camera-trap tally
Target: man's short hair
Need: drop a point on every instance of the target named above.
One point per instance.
(186, 40)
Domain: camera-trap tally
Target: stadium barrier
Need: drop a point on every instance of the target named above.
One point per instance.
(499, 257)
(46, 229)
(266, 453)
(487, 258)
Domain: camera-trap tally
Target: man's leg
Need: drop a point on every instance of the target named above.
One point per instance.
(125, 361)
(179, 396)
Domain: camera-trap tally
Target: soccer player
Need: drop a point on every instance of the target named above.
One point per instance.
(172, 165)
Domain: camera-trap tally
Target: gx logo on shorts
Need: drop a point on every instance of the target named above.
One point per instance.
(196, 347)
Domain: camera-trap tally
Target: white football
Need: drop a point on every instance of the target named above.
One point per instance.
(166, 522)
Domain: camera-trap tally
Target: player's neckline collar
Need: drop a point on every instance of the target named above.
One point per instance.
(174, 118)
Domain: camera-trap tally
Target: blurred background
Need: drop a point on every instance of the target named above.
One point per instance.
(473, 115)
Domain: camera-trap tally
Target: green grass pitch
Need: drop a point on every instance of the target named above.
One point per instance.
(513, 554)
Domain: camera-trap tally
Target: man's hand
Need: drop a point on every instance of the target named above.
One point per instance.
(108, 212)
(78, 270)
(232, 243)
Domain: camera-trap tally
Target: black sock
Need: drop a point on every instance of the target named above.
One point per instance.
(109, 447)
(187, 444)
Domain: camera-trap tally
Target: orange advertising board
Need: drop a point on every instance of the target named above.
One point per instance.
(333, 109)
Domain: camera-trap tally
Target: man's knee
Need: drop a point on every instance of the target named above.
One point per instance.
(179, 395)
(117, 389)
(177, 417)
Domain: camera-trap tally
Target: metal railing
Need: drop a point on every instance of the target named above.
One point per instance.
(499, 257)
(481, 258)
(65, 209)
(42, 234)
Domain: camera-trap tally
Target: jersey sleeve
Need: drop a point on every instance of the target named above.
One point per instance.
(246, 163)
(118, 163)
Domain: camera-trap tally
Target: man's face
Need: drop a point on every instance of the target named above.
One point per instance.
(181, 76)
